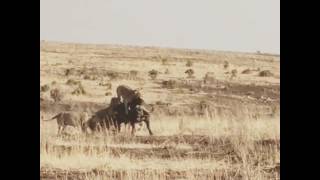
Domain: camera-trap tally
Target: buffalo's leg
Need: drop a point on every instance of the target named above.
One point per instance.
(63, 129)
(118, 126)
(148, 126)
(133, 128)
(125, 106)
(59, 129)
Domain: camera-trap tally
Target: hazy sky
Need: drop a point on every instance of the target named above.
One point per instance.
(236, 25)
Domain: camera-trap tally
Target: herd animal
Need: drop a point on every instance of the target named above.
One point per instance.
(126, 108)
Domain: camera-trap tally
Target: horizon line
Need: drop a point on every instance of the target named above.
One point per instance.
(165, 47)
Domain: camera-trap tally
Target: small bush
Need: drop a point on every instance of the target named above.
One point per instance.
(133, 74)
(108, 94)
(203, 105)
(209, 78)
(189, 63)
(265, 73)
(87, 77)
(169, 84)
(53, 83)
(164, 61)
(153, 74)
(190, 73)
(234, 73)
(107, 85)
(94, 78)
(72, 82)
(226, 65)
(56, 95)
(160, 103)
(70, 71)
(167, 71)
(246, 71)
(112, 75)
(45, 88)
(79, 90)
(82, 71)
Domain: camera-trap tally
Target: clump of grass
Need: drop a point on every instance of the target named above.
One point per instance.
(169, 84)
(153, 74)
(226, 65)
(113, 75)
(189, 63)
(246, 71)
(133, 74)
(69, 71)
(164, 61)
(265, 73)
(190, 73)
(209, 78)
(88, 77)
(234, 73)
(107, 85)
(45, 88)
(108, 93)
(73, 82)
(79, 90)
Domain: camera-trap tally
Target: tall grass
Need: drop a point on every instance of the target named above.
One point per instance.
(236, 149)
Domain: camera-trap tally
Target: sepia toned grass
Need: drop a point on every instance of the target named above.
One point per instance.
(238, 137)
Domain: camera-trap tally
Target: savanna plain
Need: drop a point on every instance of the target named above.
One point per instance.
(214, 114)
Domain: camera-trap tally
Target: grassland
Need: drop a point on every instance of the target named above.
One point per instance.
(226, 128)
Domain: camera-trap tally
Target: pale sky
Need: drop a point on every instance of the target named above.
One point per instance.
(230, 25)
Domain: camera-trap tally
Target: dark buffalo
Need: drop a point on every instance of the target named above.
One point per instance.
(135, 115)
(116, 115)
(102, 119)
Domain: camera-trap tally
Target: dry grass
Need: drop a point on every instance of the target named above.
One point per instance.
(218, 145)
(234, 135)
